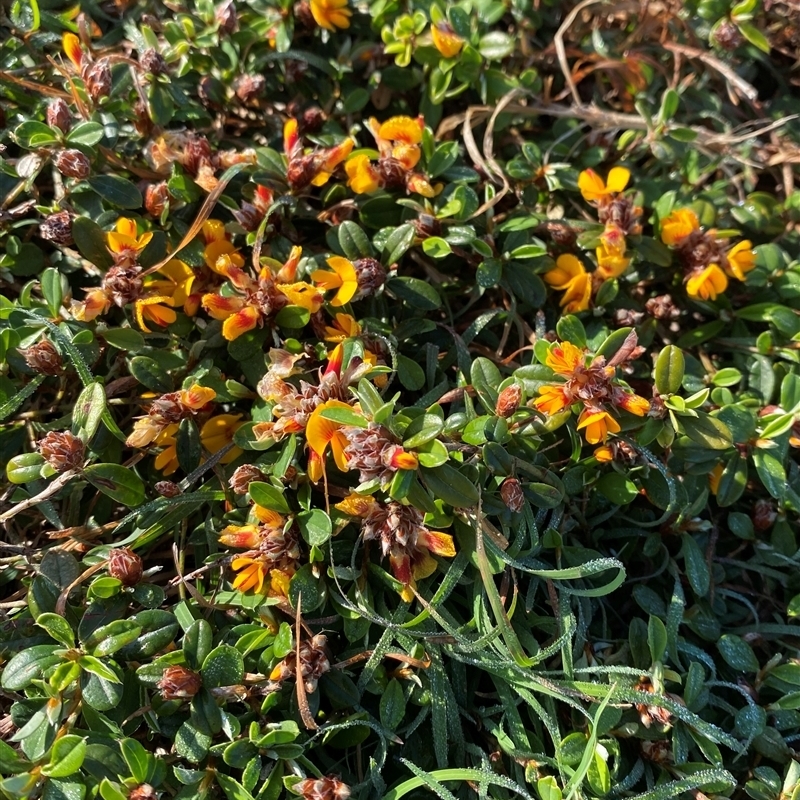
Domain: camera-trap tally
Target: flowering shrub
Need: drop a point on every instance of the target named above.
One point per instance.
(399, 399)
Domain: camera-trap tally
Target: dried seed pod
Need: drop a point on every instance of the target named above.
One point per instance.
(249, 87)
(153, 62)
(303, 15)
(426, 226)
(662, 307)
(243, 476)
(508, 401)
(73, 164)
(123, 284)
(58, 115)
(370, 274)
(226, 17)
(197, 152)
(62, 450)
(511, 492)
(125, 566)
(57, 228)
(168, 489)
(327, 788)
(43, 358)
(179, 683)
(764, 515)
(727, 35)
(144, 791)
(156, 197)
(97, 78)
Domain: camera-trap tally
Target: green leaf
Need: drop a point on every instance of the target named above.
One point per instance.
(707, 431)
(32, 135)
(392, 705)
(28, 665)
(436, 247)
(447, 484)
(223, 666)
(669, 371)
(696, 567)
(24, 468)
(107, 639)
(52, 290)
(159, 629)
(232, 788)
(422, 429)
(619, 489)
(656, 638)
(118, 482)
(86, 133)
(197, 643)
(124, 338)
(96, 667)
(57, 628)
(315, 527)
(268, 496)
(771, 472)
(399, 241)
(570, 329)
(293, 317)
(485, 378)
(418, 294)
(66, 757)
(737, 653)
(496, 45)
(117, 191)
(137, 759)
(353, 241)
(90, 239)
(88, 411)
(754, 36)
(150, 374)
(548, 788)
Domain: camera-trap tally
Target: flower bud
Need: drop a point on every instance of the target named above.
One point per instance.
(153, 62)
(249, 87)
(426, 225)
(511, 492)
(508, 401)
(226, 17)
(125, 566)
(370, 274)
(62, 450)
(97, 78)
(43, 358)
(196, 154)
(73, 164)
(57, 228)
(179, 683)
(58, 115)
(727, 35)
(156, 197)
(764, 514)
(144, 791)
(123, 284)
(168, 489)
(303, 15)
(327, 788)
(243, 476)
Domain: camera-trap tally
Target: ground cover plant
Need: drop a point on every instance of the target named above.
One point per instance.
(399, 398)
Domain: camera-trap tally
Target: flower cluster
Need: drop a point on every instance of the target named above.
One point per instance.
(591, 387)
(707, 259)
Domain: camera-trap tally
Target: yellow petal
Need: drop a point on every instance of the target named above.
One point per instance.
(240, 322)
(618, 179)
